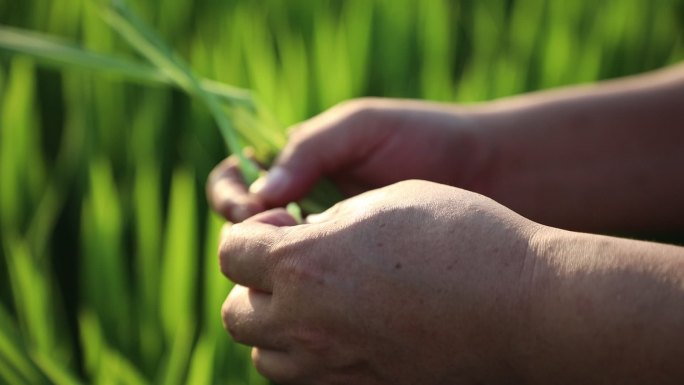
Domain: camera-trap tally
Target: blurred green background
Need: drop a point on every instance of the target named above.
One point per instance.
(108, 271)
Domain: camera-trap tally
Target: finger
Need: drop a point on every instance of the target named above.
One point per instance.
(247, 316)
(278, 366)
(275, 217)
(247, 255)
(228, 195)
(324, 145)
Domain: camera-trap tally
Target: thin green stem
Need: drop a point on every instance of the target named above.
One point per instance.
(148, 44)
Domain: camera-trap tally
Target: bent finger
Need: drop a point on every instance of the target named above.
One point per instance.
(228, 195)
(247, 316)
(246, 253)
(280, 367)
(276, 217)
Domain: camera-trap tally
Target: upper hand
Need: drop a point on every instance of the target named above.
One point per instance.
(361, 145)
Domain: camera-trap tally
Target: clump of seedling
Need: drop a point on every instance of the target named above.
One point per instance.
(165, 66)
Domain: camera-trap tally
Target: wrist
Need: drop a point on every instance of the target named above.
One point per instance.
(499, 131)
(475, 149)
(539, 268)
(512, 325)
(598, 303)
(525, 169)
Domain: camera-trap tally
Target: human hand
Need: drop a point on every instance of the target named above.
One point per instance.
(361, 145)
(414, 283)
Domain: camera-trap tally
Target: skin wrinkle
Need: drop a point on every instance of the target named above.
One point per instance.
(528, 284)
(574, 291)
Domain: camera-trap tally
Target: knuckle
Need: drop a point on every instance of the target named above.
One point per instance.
(245, 246)
(223, 259)
(230, 320)
(313, 340)
(235, 317)
(289, 376)
(261, 367)
(411, 184)
(302, 261)
(227, 250)
(300, 270)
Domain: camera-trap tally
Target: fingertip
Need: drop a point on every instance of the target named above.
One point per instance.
(227, 168)
(273, 186)
(237, 206)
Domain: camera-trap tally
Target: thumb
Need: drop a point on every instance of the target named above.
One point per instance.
(304, 160)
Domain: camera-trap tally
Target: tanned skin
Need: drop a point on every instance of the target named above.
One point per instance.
(468, 251)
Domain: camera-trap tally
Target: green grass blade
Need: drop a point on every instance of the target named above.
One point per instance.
(55, 372)
(216, 286)
(60, 180)
(34, 306)
(122, 370)
(19, 159)
(102, 364)
(175, 368)
(15, 359)
(437, 58)
(202, 363)
(64, 55)
(357, 24)
(31, 298)
(8, 375)
(145, 41)
(92, 343)
(147, 197)
(179, 266)
(104, 277)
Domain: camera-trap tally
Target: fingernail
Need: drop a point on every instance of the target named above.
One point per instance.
(272, 184)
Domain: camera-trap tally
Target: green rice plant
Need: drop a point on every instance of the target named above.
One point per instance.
(102, 363)
(17, 367)
(201, 368)
(148, 226)
(437, 53)
(178, 272)
(145, 41)
(104, 282)
(21, 179)
(64, 55)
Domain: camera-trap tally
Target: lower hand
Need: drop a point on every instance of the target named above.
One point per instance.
(414, 283)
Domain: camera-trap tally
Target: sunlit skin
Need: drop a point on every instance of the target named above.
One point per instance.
(453, 262)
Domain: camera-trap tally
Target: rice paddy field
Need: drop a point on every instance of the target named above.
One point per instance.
(108, 267)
